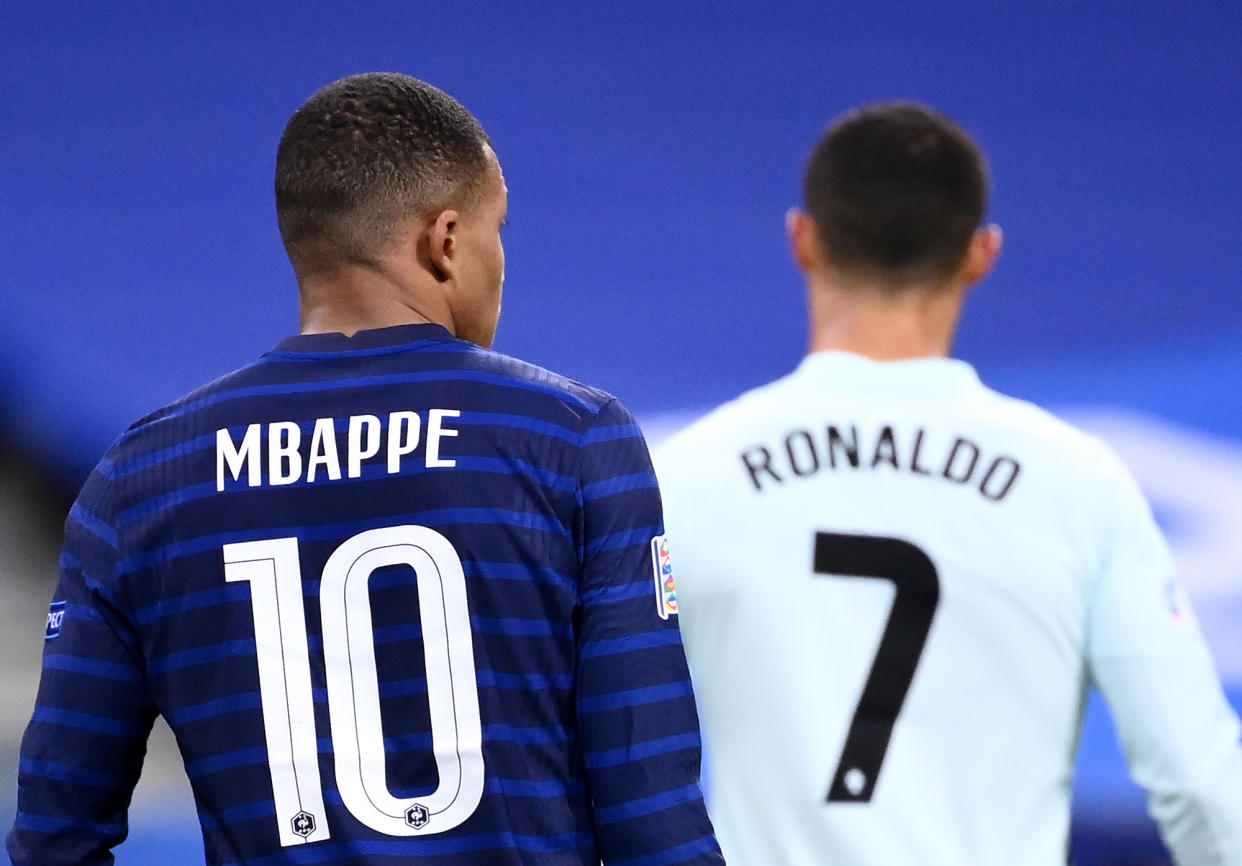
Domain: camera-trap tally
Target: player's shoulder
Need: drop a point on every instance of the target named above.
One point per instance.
(720, 428)
(571, 393)
(1082, 457)
(132, 440)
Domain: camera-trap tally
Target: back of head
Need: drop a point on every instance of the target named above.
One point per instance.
(365, 155)
(896, 191)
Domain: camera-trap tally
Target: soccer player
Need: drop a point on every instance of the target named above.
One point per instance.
(898, 585)
(392, 591)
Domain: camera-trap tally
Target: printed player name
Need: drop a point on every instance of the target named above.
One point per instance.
(805, 453)
(281, 452)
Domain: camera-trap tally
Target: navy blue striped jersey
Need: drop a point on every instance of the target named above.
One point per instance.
(400, 599)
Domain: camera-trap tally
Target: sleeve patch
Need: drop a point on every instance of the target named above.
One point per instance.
(55, 619)
(666, 589)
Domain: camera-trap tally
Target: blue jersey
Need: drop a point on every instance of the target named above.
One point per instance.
(400, 599)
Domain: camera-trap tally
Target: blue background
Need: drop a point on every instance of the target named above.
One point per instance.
(651, 150)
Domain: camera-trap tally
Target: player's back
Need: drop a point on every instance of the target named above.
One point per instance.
(885, 572)
(353, 577)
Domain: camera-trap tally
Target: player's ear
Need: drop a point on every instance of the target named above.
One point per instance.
(804, 241)
(981, 255)
(442, 245)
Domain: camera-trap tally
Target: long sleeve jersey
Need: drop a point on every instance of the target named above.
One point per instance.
(898, 587)
(399, 600)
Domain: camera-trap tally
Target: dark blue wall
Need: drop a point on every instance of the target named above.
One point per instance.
(651, 150)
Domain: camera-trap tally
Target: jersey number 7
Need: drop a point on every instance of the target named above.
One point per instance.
(917, 588)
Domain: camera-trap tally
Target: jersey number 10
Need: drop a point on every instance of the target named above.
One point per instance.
(272, 569)
(914, 605)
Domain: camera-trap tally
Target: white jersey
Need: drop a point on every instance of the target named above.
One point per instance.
(896, 587)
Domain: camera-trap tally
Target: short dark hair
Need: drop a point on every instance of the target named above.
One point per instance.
(896, 191)
(363, 156)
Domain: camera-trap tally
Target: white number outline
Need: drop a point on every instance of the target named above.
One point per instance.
(272, 568)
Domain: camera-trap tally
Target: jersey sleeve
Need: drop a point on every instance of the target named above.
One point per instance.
(695, 530)
(82, 751)
(1149, 659)
(636, 710)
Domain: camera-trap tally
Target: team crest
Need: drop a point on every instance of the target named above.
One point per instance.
(666, 589)
(55, 619)
(304, 824)
(417, 816)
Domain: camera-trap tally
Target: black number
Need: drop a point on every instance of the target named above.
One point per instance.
(918, 592)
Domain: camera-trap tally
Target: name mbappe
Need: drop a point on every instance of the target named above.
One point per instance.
(366, 435)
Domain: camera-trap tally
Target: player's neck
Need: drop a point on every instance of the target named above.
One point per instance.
(352, 299)
(865, 321)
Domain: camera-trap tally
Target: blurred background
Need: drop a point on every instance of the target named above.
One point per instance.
(651, 150)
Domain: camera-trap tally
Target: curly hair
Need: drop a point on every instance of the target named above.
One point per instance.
(362, 157)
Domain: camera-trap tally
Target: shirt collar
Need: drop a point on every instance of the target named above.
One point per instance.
(915, 376)
(377, 338)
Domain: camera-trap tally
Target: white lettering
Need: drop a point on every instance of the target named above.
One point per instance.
(357, 451)
(435, 430)
(323, 450)
(229, 454)
(283, 439)
(289, 458)
(399, 443)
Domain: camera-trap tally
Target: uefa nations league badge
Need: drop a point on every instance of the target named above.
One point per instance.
(666, 589)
